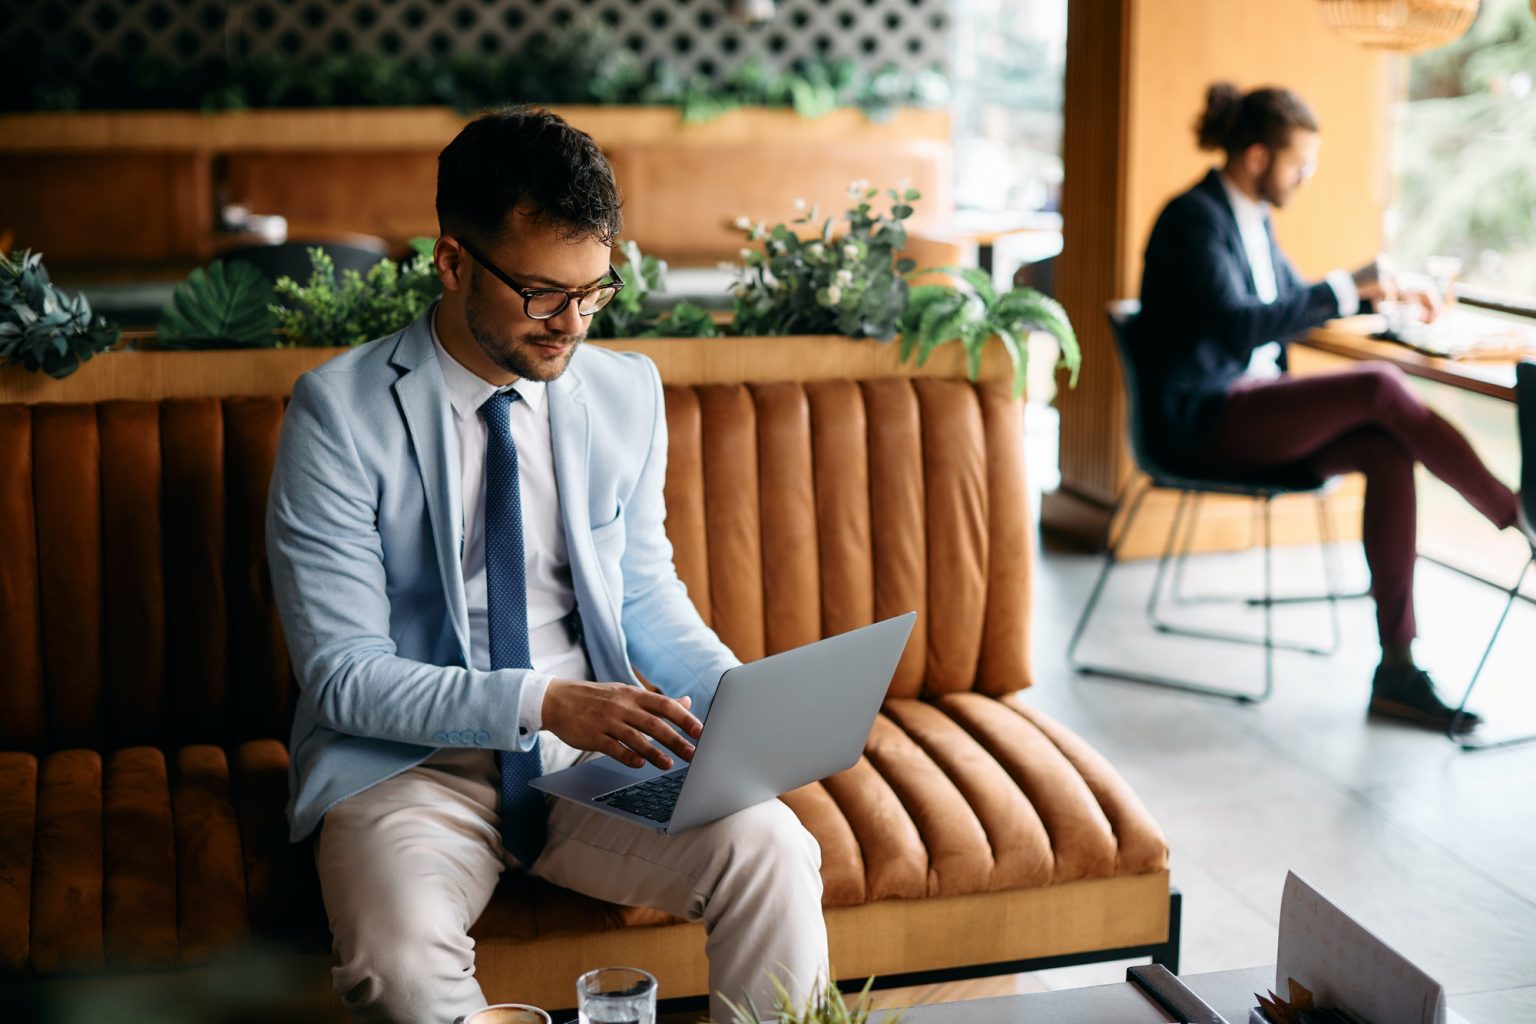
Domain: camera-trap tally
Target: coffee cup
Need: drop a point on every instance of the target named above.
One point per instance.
(506, 1013)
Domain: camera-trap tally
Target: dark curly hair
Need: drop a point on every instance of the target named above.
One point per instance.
(1233, 121)
(526, 155)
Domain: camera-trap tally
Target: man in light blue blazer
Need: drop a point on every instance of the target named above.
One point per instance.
(465, 529)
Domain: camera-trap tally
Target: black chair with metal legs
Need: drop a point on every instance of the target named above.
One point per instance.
(1262, 486)
(1525, 403)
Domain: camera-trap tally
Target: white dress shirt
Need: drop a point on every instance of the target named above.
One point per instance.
(1252, 216)
(547, 569)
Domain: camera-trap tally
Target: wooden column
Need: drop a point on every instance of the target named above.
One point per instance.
(1137, 71)
(1094, 456)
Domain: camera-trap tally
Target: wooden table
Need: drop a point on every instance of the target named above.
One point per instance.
(1350, 338)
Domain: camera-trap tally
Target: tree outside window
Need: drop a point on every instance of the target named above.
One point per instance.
(1464, 154)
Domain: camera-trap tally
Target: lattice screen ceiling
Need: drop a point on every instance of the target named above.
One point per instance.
(697, 35)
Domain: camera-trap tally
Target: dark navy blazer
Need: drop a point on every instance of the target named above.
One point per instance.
(1201, 317)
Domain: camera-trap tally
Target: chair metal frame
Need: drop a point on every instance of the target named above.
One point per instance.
(1176, 552)
(1525, 400)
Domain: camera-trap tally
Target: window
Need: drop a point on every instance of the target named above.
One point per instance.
(1464, 156)
(1009, 65)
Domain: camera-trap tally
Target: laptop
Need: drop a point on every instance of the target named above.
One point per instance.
(774, 725)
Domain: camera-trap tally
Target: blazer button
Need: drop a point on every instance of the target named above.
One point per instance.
(440, 737)
(453, 737)
(482, 738)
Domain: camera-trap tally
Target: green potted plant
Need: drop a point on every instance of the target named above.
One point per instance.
(816, 279)
(972, 311)
(227, 304)
(355, 307)
(824, 1005)
(41, 327)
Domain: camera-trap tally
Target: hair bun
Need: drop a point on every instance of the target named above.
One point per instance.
(1223, 103)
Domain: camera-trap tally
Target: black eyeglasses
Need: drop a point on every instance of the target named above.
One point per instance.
(546, 303)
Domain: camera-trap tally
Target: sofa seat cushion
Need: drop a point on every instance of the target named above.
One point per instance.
(962, 794)
(968, 793)
(138, 858)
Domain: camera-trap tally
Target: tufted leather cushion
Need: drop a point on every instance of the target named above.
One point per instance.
(146, 692)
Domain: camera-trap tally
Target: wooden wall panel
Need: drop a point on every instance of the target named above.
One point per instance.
(1181, 48)
(106, 207)
(107, 193)
(389, 194)
(676, 209)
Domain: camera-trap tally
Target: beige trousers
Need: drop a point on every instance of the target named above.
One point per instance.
(407, 867)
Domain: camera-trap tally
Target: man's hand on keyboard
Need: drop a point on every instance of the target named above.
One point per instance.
(620, 721)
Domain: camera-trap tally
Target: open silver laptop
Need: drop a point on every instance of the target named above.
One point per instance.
(774, 725)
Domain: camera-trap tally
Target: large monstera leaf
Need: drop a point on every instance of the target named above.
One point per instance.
(223, 305)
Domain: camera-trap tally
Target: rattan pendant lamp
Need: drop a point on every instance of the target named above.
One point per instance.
(1407, 26)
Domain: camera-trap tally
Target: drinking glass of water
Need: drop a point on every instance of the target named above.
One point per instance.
(1443, 271)
(616, 995)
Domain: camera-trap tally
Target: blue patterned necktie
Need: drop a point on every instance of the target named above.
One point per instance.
(523, 814)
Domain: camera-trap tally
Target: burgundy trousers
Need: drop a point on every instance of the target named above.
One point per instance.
(1362, 420)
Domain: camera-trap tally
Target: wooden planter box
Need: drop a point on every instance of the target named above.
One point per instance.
(131, 187)
(222, 373)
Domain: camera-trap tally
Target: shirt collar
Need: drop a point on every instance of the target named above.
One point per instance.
(467, 391)
(1248, 209)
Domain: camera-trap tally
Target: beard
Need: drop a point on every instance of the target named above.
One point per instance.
(1270, 188)
(519, 355)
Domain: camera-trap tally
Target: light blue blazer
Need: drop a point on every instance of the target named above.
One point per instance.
(365, 523)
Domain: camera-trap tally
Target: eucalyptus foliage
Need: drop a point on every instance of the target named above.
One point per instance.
(972, 312)
(224, 305)
(809, 278)
(356, 307)
(41, 327)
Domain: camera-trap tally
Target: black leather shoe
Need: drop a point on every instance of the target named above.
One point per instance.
(1408, 694)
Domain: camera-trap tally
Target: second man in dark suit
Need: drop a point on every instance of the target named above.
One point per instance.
(1219, 299)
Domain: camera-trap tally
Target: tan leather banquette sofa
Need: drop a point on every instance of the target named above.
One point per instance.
(145, 690)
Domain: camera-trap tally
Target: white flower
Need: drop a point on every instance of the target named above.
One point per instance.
(758, 230)
(745, 253)
(834, 295)
(775, 246)
(844, 277)
(800, 204)
(815, 250)
(857, 187)
(742, 223)
(850, 251)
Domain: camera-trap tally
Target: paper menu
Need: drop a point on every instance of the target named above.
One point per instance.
(1346, 966)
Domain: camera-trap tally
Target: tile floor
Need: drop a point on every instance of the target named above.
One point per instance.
(1433, 849)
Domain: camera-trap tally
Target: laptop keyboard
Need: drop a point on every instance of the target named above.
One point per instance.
(653, 798)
